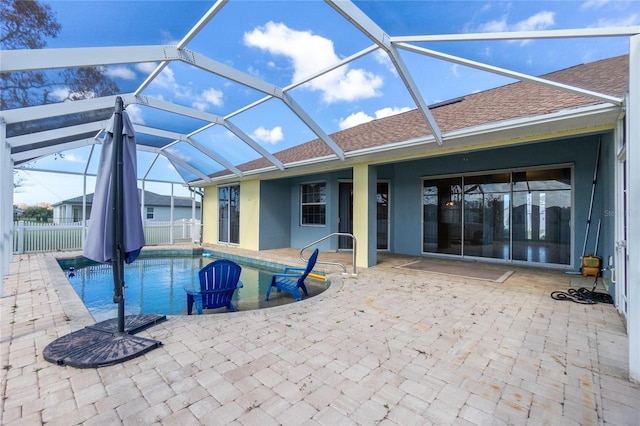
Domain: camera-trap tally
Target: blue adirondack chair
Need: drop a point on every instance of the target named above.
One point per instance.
(293, 279)
(219, 280)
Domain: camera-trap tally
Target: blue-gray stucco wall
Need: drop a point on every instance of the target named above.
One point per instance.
(280, 199)
(406, 181)
(275, 214)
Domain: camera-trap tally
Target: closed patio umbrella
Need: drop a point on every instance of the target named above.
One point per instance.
(116, 198)
(115, 236)
(115, 233)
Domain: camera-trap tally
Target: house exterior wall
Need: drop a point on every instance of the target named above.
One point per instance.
(578, 152)
(210, 215)
(275, 214)
(270, 209)
(250, 214)
(301, 235)
(164, 213)
(406, 201)
(68, 213)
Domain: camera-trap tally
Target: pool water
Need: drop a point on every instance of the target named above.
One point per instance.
(156, 286)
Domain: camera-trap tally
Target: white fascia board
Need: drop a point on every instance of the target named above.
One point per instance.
(494, 128)
(511, 74)
(174, 159)
(31, 138)
(523, 35)
(302, 115)
(42, 152)
(564, 115)
(20, 115)
(41, 59)
(310, 161)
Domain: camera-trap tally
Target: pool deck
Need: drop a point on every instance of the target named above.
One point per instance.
(390, 346)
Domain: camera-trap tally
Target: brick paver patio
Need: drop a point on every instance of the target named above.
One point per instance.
(390, 346)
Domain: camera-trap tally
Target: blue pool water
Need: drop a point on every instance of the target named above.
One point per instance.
(156, 286)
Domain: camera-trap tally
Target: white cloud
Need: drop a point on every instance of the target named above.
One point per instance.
(311, 53)
(628, 21)
(213, 96)
(60, 93)
(64, 94)
(135, 114)
(594, 4)
(72, 158)
(496, 26)
(539, 21)
(146, 67)
(208, 97)
(455, 70)
(165, 79)
(362, 117)
(272, 136)
(382, 57)
(354, 119)
(388, 111)
(121, 72)
(180, 155)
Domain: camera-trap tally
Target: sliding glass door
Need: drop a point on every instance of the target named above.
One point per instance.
(511, 216)
(541, 215)
(487, 215)
(229, 214)
(442, 215)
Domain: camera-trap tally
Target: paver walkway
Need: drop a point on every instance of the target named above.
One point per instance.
(391, 346)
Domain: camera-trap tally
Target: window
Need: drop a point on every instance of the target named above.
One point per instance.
(313, 198)
(150, 213)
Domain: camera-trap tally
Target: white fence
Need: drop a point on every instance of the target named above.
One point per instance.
(31, 237)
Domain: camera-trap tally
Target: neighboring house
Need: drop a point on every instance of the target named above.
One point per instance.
(156, 207)
(512, 182)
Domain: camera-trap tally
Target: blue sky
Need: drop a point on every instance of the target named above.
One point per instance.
(282, 42)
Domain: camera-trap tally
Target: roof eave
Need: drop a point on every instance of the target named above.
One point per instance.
(561, 123)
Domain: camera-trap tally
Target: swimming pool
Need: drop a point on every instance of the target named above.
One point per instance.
(154, 285)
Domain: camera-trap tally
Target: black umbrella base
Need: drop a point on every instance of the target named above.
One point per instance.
(100, 345)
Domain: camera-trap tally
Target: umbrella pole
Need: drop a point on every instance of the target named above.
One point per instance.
(117, 211)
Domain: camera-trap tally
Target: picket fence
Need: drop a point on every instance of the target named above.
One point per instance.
(31, 237)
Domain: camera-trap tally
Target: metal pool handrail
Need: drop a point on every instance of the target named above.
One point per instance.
(338, 234)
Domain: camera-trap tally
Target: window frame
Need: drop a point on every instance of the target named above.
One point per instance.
(321, 204)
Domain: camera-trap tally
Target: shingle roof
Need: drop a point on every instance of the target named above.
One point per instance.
(151, 199)
(520, 99)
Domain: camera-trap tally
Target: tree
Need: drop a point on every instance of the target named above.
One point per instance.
(38, 213)
(27, 24)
